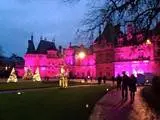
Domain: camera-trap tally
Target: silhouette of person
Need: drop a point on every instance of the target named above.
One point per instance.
(113, 80)
(85, 79)
(132, 87)
(125, 80)
(99, 80)
(104, 79)
(119, 80)
(91, 79)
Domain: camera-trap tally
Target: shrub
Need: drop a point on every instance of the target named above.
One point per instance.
(156, 84)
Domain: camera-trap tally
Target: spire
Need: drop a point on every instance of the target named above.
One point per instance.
(32, 36)
(53, 40)
(81, 46)
(41, 38)
(45, 39)
(70, 44)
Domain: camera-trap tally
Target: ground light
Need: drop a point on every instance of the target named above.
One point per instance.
(82, 81)
(6, 68)
(87, 105)
(107, 89)
(19, 93)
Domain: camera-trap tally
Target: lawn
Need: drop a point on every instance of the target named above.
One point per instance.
(33, 85)
(26, 85)
(52, 104)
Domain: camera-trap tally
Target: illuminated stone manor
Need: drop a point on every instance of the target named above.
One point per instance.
(130, 51)
(112, 52)
(79, 61)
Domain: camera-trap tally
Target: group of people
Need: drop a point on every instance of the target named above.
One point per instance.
(104, 78)
(125, 82)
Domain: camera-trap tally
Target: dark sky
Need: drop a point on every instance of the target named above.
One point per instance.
(50, 18)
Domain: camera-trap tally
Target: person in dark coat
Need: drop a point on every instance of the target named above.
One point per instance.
(99, 80)
(119, 80)
(91, 79)
(132, 87)
(125, 81)
(104, 79)
(85, 79)
(113, 80)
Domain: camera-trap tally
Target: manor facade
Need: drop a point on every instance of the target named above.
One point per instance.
(112, 53)
(130, 52)
(49, 60)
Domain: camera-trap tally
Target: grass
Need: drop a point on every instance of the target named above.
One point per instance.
(26, 85)
(151, 98)
(33, 85)
(52, 104)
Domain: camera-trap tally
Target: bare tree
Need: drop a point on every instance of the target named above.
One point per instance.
(143, 14)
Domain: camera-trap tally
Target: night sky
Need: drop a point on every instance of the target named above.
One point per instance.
(50, 18)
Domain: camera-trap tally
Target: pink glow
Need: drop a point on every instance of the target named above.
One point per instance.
(43, 68)
(69, 56)
(132, 59)
(50, 64)
(20, 72)
(146, 61)
(133, 67)
(133, 53)
(82, 66)
(25, 69)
